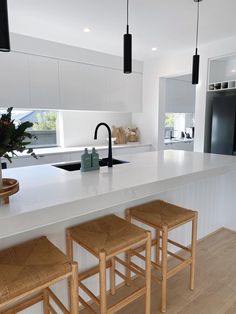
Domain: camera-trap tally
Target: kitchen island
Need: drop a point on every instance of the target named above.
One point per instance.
(49, 196)
(51, 199)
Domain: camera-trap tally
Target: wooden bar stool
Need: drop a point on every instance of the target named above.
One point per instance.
(164, 217)
(105, 238)
(26, 272)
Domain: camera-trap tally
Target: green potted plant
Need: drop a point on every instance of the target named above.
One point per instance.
(13, 138)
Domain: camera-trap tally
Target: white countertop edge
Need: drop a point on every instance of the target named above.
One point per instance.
(48, 216)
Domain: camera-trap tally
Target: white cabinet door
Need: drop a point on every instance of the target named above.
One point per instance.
(133, 92)
(116, 91)
(90, 87)
(14, 80)
(82, 86)
(44, 82)
(124, 91)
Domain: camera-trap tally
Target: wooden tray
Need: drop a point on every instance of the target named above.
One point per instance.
(10, 187)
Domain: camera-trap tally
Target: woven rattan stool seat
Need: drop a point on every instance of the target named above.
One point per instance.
(109, 233)
(106, 238)
(159, 213)
(164, 217)
(29, 265)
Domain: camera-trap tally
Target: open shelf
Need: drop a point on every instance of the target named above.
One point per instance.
(221, 86)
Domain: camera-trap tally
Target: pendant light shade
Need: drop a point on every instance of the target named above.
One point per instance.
(127, 53)
(196, 57)
(4, 27)
(127, 47)
(195, 72)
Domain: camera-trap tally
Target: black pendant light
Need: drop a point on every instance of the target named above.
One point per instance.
(196, 57)
(127, 47)
(4, 27)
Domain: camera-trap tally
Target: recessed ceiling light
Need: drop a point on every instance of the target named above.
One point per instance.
(233, 71)
(154, 49)
(87, 30)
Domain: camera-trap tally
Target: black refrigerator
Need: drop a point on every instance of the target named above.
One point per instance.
(223, 120)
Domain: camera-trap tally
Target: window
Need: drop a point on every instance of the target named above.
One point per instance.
(179, 125)
(45, 126)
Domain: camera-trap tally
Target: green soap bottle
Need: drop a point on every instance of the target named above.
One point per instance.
(86, 164)
(95, 159)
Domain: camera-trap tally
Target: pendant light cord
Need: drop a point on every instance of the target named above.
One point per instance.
(197, 33)
(127, 16)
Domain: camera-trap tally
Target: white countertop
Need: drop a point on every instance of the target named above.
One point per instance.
(178, 140)
(49, 195)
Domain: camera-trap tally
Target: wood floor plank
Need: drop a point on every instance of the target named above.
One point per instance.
(215, 291)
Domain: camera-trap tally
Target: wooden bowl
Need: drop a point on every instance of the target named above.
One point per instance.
(10, 187)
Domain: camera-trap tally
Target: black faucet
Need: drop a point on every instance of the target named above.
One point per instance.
(109, 162)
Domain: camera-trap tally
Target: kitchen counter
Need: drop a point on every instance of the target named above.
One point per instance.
(178, 140)
(60, 150)
(49, 195)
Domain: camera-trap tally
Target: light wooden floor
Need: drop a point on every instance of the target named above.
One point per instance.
(215, 291)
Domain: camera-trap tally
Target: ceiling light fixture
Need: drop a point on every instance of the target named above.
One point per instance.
(196, 57)
(87, 30)
(127, 46)
(154, 49)
(4, 27)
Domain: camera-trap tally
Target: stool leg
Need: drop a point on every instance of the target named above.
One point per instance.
(45, 302)
(69, 245)
(193, 252)
(164, 269)
(148, 274)
(73, 283)
(102, 278)
(113, 276)
(128, 254)
(69, 251)
(157, 251)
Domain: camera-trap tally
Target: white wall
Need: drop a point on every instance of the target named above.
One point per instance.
(79, 126)
(151, 120)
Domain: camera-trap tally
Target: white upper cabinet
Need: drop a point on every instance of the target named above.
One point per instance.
(116, 91)
(14, 80)
(124, 91)
(82, 86)
(44, 87)
(38, 82)
(134, 91)
(90, 87)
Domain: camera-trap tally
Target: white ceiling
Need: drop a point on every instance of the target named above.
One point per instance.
(168, 25)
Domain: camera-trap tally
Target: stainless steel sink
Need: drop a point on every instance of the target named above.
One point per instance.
(75, 166)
